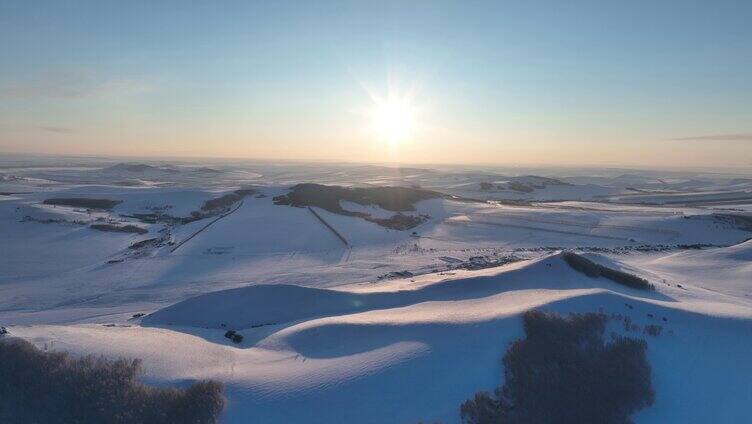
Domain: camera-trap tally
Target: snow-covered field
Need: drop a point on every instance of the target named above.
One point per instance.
(351, 321)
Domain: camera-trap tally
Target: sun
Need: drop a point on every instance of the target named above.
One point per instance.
(393, 118)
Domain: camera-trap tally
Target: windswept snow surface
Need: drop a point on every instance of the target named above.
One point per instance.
(727, 270)
(409, 351)
(390, 327)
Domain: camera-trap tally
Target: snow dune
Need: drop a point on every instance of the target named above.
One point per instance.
(414, 350)
(726, 270)
(260, 305)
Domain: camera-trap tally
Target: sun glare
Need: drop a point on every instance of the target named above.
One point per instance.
(393, 118)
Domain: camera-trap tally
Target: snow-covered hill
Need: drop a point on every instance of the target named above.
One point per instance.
(347, 320)
(421, 347)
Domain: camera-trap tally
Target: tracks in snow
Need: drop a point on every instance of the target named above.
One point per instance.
(207, 226)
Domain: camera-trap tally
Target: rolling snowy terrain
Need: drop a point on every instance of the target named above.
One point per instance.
(362, 308)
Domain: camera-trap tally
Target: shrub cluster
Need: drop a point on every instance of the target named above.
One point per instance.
(54, 387)
(653, 330)
(485, 186)
(234, 336)
(594, 270)
(119, 229)
(564, 372)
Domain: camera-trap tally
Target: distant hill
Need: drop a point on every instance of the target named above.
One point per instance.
(138, 168)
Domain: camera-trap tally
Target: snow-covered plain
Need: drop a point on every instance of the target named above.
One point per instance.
(381, 325)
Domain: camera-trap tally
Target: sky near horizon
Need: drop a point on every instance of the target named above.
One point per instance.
(648, 83)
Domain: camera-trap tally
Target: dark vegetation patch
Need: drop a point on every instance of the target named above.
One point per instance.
(54, 387)
(234, 336)
(227, 200)
(594, 270)
(29, 218)
(653, 330)
(80, 202)
(483, 262)
(207, 170)
(737, 221)
(396, 274)
(144, 243)
(530, 183)
(694, 246)
(155, 217)
(395, 199)
(541, 182)
(620, 250)
(399, 221)
(129, 183)
(564, 372)
(119, 229)
(522, 188)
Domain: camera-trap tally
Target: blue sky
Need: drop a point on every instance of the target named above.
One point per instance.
(493, 82)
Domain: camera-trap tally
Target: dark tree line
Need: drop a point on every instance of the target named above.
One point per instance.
(55, 387)
(564, 372)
